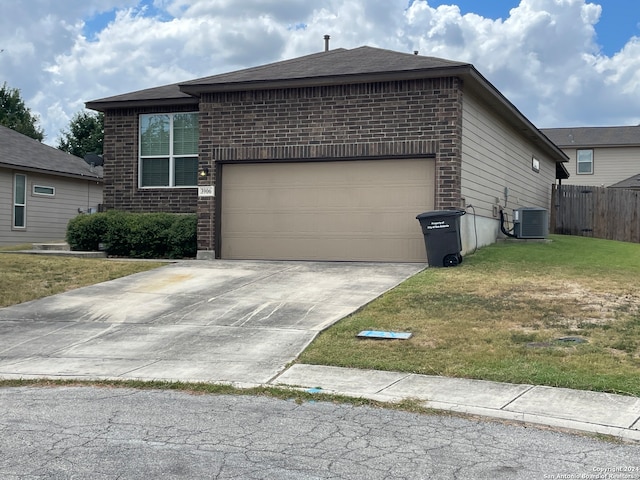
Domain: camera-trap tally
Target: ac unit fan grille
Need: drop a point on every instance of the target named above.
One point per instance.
(533, 223)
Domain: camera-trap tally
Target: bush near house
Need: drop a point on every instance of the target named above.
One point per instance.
(136, 235)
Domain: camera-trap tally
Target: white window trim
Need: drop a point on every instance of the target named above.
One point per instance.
(170, 156)
(14, 204)
(578, 172)
(52, 194)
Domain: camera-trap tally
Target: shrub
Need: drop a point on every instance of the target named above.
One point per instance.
(182, 237)
(85, 232)
(148, 234)
(138, 235)
(116, 238)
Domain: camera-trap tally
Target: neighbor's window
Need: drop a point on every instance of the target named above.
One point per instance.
(169, 150)
(42, 190)
(584, 162)
(19, 201)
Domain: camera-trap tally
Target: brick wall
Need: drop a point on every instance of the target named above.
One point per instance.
(121, 190)
(387, 119)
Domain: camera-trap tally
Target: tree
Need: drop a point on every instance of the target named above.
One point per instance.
(15, 115)
(85, 134)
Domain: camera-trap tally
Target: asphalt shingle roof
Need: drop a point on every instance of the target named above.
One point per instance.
(631, 182)
(157, 93)
(332, 63)
(148, 95)
(22, 152)
(594, 136)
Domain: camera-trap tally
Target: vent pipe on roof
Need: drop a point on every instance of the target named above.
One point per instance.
(326, 42)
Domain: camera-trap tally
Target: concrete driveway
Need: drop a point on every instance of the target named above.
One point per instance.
(218, 321)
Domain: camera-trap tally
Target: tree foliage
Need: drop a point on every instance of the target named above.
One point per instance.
(85, 134)
(15, 115)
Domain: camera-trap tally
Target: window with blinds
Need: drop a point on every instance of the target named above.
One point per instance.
(168, 150)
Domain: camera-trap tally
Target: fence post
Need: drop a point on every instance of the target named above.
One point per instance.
(554, 208)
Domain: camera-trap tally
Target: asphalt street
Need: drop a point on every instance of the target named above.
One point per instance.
(118, 433)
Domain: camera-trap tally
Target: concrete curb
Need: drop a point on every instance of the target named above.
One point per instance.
(585, 411)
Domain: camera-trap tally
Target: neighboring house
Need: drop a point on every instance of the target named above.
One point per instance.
(329, 156)
(41, 189)
(600, 156)
(632, 183)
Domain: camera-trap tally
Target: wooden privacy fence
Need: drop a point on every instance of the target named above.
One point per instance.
(611, 213)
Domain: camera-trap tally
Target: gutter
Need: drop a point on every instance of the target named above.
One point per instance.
(80, 176)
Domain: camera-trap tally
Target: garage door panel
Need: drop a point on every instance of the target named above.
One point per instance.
(352, 222)
(359, 210)
(350, 249)
(307, 196)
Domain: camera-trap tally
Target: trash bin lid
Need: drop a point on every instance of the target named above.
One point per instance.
(441, 213)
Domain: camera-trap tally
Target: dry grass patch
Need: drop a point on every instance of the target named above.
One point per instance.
(28, 277)
(522, 313)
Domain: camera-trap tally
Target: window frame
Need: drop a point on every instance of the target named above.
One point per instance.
(43, 194)
(578, 162)
(535, 164)
(171, 157)
(16, 204)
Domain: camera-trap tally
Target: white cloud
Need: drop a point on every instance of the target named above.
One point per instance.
(543, 56)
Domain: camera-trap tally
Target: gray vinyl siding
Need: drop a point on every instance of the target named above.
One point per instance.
(495, 156)
(46, 216)
(610, 165)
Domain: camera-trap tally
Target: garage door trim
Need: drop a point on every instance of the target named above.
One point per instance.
(217, 224)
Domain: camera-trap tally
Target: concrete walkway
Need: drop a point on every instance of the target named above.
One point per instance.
(243, 323)
(593, 412)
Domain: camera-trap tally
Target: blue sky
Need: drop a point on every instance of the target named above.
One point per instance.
(560, 62)
(94, 24)
(619, 21)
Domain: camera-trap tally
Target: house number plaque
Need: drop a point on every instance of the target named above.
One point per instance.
(207, 191)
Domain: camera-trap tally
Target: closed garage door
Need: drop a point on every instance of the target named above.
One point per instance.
(351, 210)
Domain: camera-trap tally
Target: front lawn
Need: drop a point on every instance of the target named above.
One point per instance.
(28, 277)
(563, 313)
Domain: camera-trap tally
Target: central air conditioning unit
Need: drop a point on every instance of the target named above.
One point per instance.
(531, 222)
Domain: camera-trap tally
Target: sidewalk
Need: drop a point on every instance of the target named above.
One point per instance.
(593, 412)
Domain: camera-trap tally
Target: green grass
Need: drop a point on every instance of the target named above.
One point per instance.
(498, 317)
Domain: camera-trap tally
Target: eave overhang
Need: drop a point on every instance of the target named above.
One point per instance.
(78, 176)
(102, 106)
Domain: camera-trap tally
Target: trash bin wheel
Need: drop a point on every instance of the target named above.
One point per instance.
(451, 260)
(459, 258)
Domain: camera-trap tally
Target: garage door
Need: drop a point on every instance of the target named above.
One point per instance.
(351, 211)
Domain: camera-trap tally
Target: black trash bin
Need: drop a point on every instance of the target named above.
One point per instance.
(441, 230)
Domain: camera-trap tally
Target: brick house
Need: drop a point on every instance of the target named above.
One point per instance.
(329, 156)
